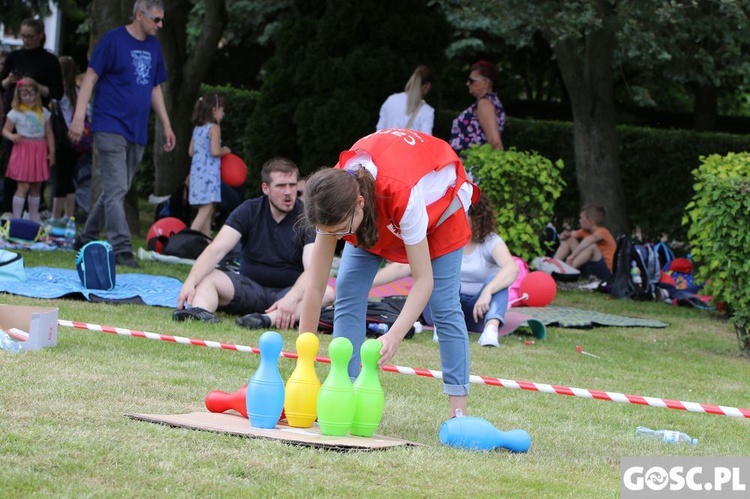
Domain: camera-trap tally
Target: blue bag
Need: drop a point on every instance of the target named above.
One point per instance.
(96, 265)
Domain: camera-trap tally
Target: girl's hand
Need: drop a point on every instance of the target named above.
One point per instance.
(16, 138)
(51, 159)
(390, 346)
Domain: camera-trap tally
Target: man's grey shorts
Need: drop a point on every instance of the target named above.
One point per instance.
(250, 297)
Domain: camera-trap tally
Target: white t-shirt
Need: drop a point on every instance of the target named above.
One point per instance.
(393, 115)
(478, 265)
(429, 189)
(27, 123)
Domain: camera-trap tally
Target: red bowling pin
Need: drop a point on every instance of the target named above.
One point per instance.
(219, 401)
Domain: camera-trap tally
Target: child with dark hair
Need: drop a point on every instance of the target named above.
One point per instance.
(206, 151)
(591, 249)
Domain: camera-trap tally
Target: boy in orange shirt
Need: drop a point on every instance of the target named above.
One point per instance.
(591, 249)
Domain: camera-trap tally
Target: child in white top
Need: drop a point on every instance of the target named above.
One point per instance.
(205, 168)
(33, 151)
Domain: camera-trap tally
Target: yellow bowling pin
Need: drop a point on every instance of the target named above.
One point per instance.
(300, 405)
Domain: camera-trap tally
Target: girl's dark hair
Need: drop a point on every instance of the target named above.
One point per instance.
(483, 220)
(69, 70)
(203, 112)
(331, 198)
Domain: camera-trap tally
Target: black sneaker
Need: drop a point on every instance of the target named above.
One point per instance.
(126, 259)
(194, 314)
(254, 321)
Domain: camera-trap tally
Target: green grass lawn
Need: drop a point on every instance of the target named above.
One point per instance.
(63, 432)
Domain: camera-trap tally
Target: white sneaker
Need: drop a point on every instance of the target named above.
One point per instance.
(489, 337)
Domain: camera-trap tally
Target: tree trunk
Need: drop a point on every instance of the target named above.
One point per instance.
(105, 15)
(586, 68)
(186, 72)
(705, 107)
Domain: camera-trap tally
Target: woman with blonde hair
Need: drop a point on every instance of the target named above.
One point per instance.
(408, 109)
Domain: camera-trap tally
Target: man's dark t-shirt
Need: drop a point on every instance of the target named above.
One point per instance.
(271, 252)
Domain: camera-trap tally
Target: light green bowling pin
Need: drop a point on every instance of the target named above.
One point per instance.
(369, 399)
(336, 396)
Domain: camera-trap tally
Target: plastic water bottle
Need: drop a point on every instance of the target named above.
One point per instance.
(70, 229)
(378, 328)
(635, 273)
(668, 436)
(8, 343)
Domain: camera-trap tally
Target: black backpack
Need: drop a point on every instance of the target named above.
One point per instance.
(378, 312)
(626, 255)
(187, 243)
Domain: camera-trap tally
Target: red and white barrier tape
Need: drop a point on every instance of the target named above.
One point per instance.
(719, 410)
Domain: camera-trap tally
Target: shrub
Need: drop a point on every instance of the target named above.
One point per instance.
(523, 186)
(718, 217)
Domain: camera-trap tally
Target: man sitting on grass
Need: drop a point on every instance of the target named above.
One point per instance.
(275, 253)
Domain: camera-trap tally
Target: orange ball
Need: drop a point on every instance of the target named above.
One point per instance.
(540, 288)
(233, 170)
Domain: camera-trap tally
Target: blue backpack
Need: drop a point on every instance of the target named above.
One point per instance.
(96, 265)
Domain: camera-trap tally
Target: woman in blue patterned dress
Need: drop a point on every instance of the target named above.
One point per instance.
(482, 122)
(205, 168)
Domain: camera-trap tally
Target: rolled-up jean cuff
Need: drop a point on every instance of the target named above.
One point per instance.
(456, 390)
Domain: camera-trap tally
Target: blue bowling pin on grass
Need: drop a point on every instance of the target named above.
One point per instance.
(479, 434)
(265, 390)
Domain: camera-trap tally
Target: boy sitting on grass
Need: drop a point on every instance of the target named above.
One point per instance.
(591, 249)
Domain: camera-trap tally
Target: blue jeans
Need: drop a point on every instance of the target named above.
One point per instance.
(498, 307)
(118, 162)
(356, 273)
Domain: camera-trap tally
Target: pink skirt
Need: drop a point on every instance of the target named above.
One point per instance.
(28, 161)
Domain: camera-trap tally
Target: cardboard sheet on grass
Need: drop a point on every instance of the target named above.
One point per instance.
(234, 424)
(51, 282)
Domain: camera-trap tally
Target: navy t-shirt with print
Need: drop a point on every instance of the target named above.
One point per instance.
(271, 252)
(128, 70)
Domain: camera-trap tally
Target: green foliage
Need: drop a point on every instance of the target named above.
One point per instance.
(718, 217)
(334, 64)
(523, 186)
(656, 168)
(13, 12)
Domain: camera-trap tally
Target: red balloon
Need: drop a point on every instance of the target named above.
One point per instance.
(233, 170)
(162, 228)
(540, 288)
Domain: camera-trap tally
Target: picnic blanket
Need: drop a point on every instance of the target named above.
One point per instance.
(575, 317)
(50, 283)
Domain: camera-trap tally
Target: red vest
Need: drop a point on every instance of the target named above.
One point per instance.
(403, 157)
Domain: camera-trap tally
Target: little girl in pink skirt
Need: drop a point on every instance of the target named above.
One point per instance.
(33, 151)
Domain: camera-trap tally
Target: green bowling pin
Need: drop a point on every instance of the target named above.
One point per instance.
(336, 396)
(369, 399)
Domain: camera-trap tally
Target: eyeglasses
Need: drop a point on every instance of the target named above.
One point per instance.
(156, 19)
(28, 36)
(339, 232)
(471, 80)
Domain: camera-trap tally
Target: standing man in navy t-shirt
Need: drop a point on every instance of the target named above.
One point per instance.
(275, 256)
(127, 68)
